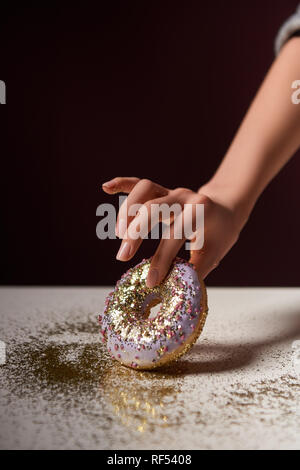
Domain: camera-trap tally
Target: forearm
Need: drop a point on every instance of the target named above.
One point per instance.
(267, 138)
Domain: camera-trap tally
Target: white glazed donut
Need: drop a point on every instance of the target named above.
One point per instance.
(142, 342)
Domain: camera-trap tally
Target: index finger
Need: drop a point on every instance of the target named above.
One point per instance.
(120, 184)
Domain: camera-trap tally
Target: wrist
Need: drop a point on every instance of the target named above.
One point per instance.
(240, 206)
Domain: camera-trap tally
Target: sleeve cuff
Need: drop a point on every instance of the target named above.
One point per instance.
(288, 29)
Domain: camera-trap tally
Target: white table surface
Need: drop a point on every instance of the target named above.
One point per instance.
(238, 388)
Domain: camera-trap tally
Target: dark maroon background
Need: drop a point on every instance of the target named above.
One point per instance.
(152, 89)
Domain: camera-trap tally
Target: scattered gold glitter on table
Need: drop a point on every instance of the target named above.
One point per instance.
(60, 389)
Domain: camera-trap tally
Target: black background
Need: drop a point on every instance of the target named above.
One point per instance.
(151, 89)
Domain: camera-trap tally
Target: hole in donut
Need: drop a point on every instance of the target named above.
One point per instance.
(154, 310)
(151, 307)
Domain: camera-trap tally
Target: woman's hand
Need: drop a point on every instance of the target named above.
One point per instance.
(266, 139)
(221, 225)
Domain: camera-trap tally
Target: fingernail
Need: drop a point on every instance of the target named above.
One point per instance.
(124, 252)
(122, 227)
(152, 278)
(108, 184)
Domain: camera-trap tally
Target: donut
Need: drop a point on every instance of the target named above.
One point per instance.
(137, 339)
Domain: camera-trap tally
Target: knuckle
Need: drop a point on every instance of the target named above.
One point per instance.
(146, 183)
(181, 191)
(118, 179)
